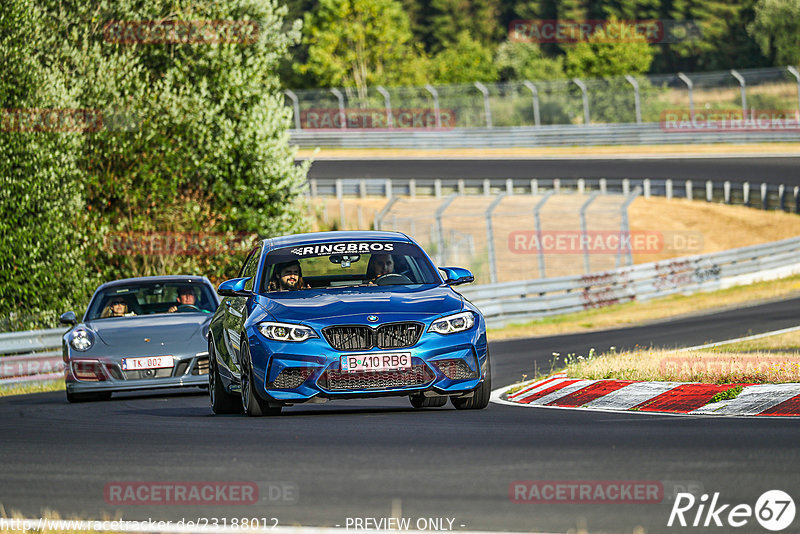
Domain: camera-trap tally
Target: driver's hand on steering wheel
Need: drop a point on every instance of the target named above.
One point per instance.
(172, 309)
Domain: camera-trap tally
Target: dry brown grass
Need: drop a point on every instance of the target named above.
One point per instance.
(25, 388)
(789, 342)
(719, 367)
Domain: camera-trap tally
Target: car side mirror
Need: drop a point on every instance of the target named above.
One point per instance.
(234, 288)
(456, 275)
(68, 319)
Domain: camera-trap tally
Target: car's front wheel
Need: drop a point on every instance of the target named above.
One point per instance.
(222, 402)
(252, 404)
(418, 400)
(480, 397)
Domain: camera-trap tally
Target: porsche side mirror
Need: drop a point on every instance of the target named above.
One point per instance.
(234, 288)
(68, 319)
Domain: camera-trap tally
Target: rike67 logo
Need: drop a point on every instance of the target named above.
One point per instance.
(774, 510)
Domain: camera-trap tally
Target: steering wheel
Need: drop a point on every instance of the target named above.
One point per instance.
(187, 307)
(392, 279)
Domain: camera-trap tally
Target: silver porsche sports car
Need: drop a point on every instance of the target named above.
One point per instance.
(140, 333)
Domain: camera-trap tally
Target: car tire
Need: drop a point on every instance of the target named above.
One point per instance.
(421, 401)
(88, 397)
(480, 396)
(222, 402)
(252, 404)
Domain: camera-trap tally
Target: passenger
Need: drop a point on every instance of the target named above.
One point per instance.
(287, 277)
(116, 308)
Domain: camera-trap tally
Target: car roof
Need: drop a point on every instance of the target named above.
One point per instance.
(186, 278)
(339, 236)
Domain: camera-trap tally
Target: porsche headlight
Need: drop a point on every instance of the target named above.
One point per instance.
(81, 339)
(453, 323)
(286, 332)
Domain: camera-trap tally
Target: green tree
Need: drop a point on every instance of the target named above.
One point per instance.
(361, 43)
(464, 61)
(449, 19)
(776, 29)
(605, 55)
(525, 61)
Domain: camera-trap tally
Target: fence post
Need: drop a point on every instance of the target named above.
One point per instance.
(534, 186)
(388, 102)
(690, 86)
(296, 106)
(437, 188)
(781, 199)
(556, 185)
(387, 188)
(746, 193)
(342, 116)
(581, 186)
(626, 186)
(668, 187)
(535, 94)
(688, 190)
(412, 188)
(460, 186)
(585, 232)
(509, 186)
(340, 199)
(362, 188)
(742, 88)
(646, 183)
(625, 227)
(490, 238)
(487, 111)
(435, 94)
(796, 199)
(487, 187)
(764, 196)
(442, 253)
(603, 186)
(726, 189)
(709, 190)
(636, 100)
(313, 187)
(793, 72)
(536, 210)
(582, 87)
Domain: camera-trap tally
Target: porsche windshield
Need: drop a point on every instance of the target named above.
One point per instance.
(330, 265)
(151, 298)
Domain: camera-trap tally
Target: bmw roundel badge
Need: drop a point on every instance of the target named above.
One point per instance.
(372, 318)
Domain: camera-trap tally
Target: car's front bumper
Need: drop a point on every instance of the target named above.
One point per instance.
(187, 371)
(287, 373)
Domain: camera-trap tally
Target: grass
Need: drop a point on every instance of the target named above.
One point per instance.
(728, 394)
(25, 388)
(636, 313)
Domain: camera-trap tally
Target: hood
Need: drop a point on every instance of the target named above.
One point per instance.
(163, 330)
(389, 303)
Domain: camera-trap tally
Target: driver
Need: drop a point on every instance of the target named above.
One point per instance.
(185, 298)
(287, 277)
(380, 265)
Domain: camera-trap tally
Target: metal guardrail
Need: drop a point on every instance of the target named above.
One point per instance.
(31, 356)
(531, 136)
(510, 302)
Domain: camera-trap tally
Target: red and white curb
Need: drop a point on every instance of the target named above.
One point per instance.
(558, 391)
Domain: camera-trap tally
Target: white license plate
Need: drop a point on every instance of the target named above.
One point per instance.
(148, 362)
(376, 361)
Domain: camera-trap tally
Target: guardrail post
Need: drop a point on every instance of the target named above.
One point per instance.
(726, 189)
(585, 231)
(535, 94)
(487, 110)
(603, 186)
(342, 115)
(312, 186)
(442, 252)
(437, 188)
(490, 237)
(295, 106)
(689, 86)
(646, 183)
(362, 188)
(709, 190)
(460, 186)
(534, 186)
(668, 187)
(509, 186)
(636, 101)
(781, 199)
(746, 193)
(793, 72)
(388, 103)
(412, 188)
(556, 185)
(625, 228)
(435, 94)
(742, 88)
(581, 186)
(583, 89)
(764, 196)
(340, 199)
(626, 186)
(487, 187)
(387, 188)
(536, 210)
(796, 199)
(688, 190)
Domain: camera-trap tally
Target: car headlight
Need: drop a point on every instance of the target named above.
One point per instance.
(81, 339)
(453, 323)
(286, 332)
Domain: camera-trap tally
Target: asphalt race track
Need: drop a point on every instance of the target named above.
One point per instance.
(774, 170)
(362, 458)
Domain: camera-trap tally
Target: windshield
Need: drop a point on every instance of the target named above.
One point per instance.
(330, 265)
(148, 298)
